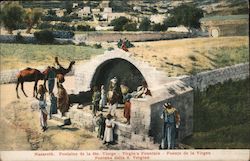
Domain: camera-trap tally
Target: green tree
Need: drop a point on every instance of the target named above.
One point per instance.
(186, 15)
(130, 26)
(32, 17)
(145, 24)
(159, 27)
(119, 23)
(11, 16)
(44, 36)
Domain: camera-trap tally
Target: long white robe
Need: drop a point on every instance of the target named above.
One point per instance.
(108, 134)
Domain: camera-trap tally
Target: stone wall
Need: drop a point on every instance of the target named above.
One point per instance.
(12, 39)
(131, 36)
(61, 37)
(144, 132)
(8, 76)
(31, 40)
(203, 80)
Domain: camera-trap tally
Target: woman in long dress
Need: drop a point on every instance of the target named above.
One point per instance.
(108, 134)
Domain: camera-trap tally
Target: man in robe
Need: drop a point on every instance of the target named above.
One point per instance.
(62, 100)
(108, 134)
(171, 120)
(42, 107)
(95, 100)
(51, 78)
(101, 126)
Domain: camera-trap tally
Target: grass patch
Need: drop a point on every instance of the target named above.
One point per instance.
(22, 55)
(222, 116)
(226, 56)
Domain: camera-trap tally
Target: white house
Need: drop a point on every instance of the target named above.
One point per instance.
(107, 10)
(137, 8)
(178, 29)
(159, 18)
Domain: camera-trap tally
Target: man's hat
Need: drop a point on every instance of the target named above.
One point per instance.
(167, 104)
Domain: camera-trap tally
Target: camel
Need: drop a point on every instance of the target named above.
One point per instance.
(60, 72)
(29, 75)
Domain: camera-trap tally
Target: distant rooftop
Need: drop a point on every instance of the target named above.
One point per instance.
(229, 17)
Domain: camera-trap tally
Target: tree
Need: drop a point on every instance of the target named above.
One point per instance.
(44, 36)
(11, 16)
(186, 15)
(130, 26)
(159, 27)
(119, 23)
(145, 24)
(32, 17)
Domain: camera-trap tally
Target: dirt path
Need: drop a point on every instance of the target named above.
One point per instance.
(20, 128)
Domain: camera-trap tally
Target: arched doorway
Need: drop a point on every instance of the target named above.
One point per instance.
(123, 70)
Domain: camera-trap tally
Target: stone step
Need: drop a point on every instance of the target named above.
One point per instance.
(65, 120)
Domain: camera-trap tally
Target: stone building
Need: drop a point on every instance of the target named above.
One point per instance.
(146, 125)
(233, 25)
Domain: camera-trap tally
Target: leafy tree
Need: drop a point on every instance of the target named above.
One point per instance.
(44, 36)
(119, 23)
(186, 15)
(170, 22)
(32, 17)
(159, 27)
(11, 16)
(145, 24)
(130, 26)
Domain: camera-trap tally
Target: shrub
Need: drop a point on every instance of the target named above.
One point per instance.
(145, 24)
(19, 37)
(159, 27)
(65, 27)
(44, 25)
(119, 23)
(97, 46)
(192, 57)
(130, 27)
(44, 36)
(85, 28)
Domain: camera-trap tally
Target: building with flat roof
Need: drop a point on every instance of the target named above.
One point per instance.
(232, 25)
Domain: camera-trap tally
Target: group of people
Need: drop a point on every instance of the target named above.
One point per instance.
(61, 102)
(105, 128)
(101, 98)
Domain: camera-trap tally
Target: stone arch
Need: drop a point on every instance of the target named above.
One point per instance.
(125, 72)
(85, 73)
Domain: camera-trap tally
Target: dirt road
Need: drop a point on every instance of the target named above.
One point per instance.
(20, 128)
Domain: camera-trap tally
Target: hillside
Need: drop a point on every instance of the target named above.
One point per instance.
(211, 7)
